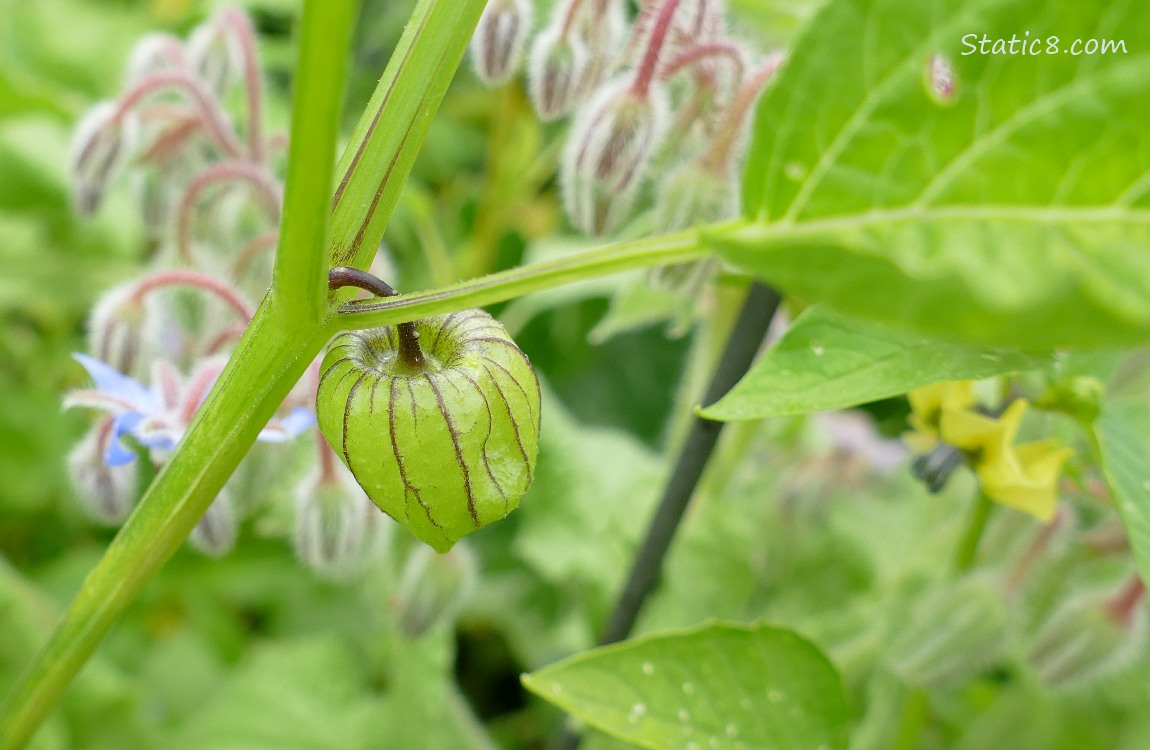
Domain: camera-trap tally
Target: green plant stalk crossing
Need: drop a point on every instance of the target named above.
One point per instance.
(280, 343)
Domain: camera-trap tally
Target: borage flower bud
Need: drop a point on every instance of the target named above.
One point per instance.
(215, 55)
(116, 329)
(952, 634)
(336, 525)
(609, 152)
(106, 493)
(442, 439)
(216, 532)
(556, 72)
(500, 39)
(153, 53)
(694, 194)
(433, 588)
(101, 145)
(1090, 638)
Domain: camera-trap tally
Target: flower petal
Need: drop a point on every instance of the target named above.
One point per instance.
(297, 422)
(117, 453)
(116, 384)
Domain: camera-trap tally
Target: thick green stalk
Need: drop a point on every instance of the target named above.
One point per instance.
(300, 283)
(380, 156)
(276, 349)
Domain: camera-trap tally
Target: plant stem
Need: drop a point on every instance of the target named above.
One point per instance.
(299, 281)
(498, 287)
(743, 344)
(271, 357)
(410, 355)
(967, 550)
(915, 713)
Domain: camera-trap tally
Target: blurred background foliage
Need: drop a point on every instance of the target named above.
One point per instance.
(252, 651)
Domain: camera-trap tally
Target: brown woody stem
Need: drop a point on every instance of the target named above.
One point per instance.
(410, 355)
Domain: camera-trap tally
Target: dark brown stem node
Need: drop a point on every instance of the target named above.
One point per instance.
(410, 355)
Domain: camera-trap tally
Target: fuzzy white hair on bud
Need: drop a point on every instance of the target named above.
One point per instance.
(609, 152)
(433, 588)
(215, 534)
(500, 40)
(693, 194)
(215, 55)
(101, 144)
(106, 493)
(116, 329)
(335, 525)
(556, 72)
(153, 53)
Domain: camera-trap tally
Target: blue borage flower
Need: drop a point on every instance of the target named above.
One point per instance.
(157, 417)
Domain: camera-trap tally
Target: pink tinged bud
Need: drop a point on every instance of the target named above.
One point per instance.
(153, 53)
(1088, 640)
(101, 144)
(605, 30)
(608, 153)
(500, 39)
(692, 21)
(116, 329)
(556, 73)
(336, 525)
(216, 532)
(215, 55)
(106, 493)
(941, 79)
(434, 588)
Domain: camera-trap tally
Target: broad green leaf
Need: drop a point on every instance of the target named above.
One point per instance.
(1123, 434)
(294, 694)
(720, 686)
(1016, 213)
(827, 361)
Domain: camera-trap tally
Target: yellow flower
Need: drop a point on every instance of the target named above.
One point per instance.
(1025, 477)
(929, 405)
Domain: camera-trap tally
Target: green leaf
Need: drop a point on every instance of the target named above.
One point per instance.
(1123, 434)
(593, 491)
(720, 685)
(1016, 213)
(827, 361)
(296, 694)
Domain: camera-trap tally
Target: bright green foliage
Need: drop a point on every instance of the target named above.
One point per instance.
(827, 361)
(718, 686)
(1017, 213)
(1123, 433)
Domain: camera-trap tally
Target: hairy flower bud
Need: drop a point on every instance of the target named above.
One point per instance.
(445, 445)
(215, 55)
(694, 194)
(106, 493)
(101, 144)
(153, 53)
(116, 329)
(335, 526)
(556, 73)
(952, 634)
(1085, 641)
(608, 153)
(216, 532)
(433, 588)
(500, 39)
